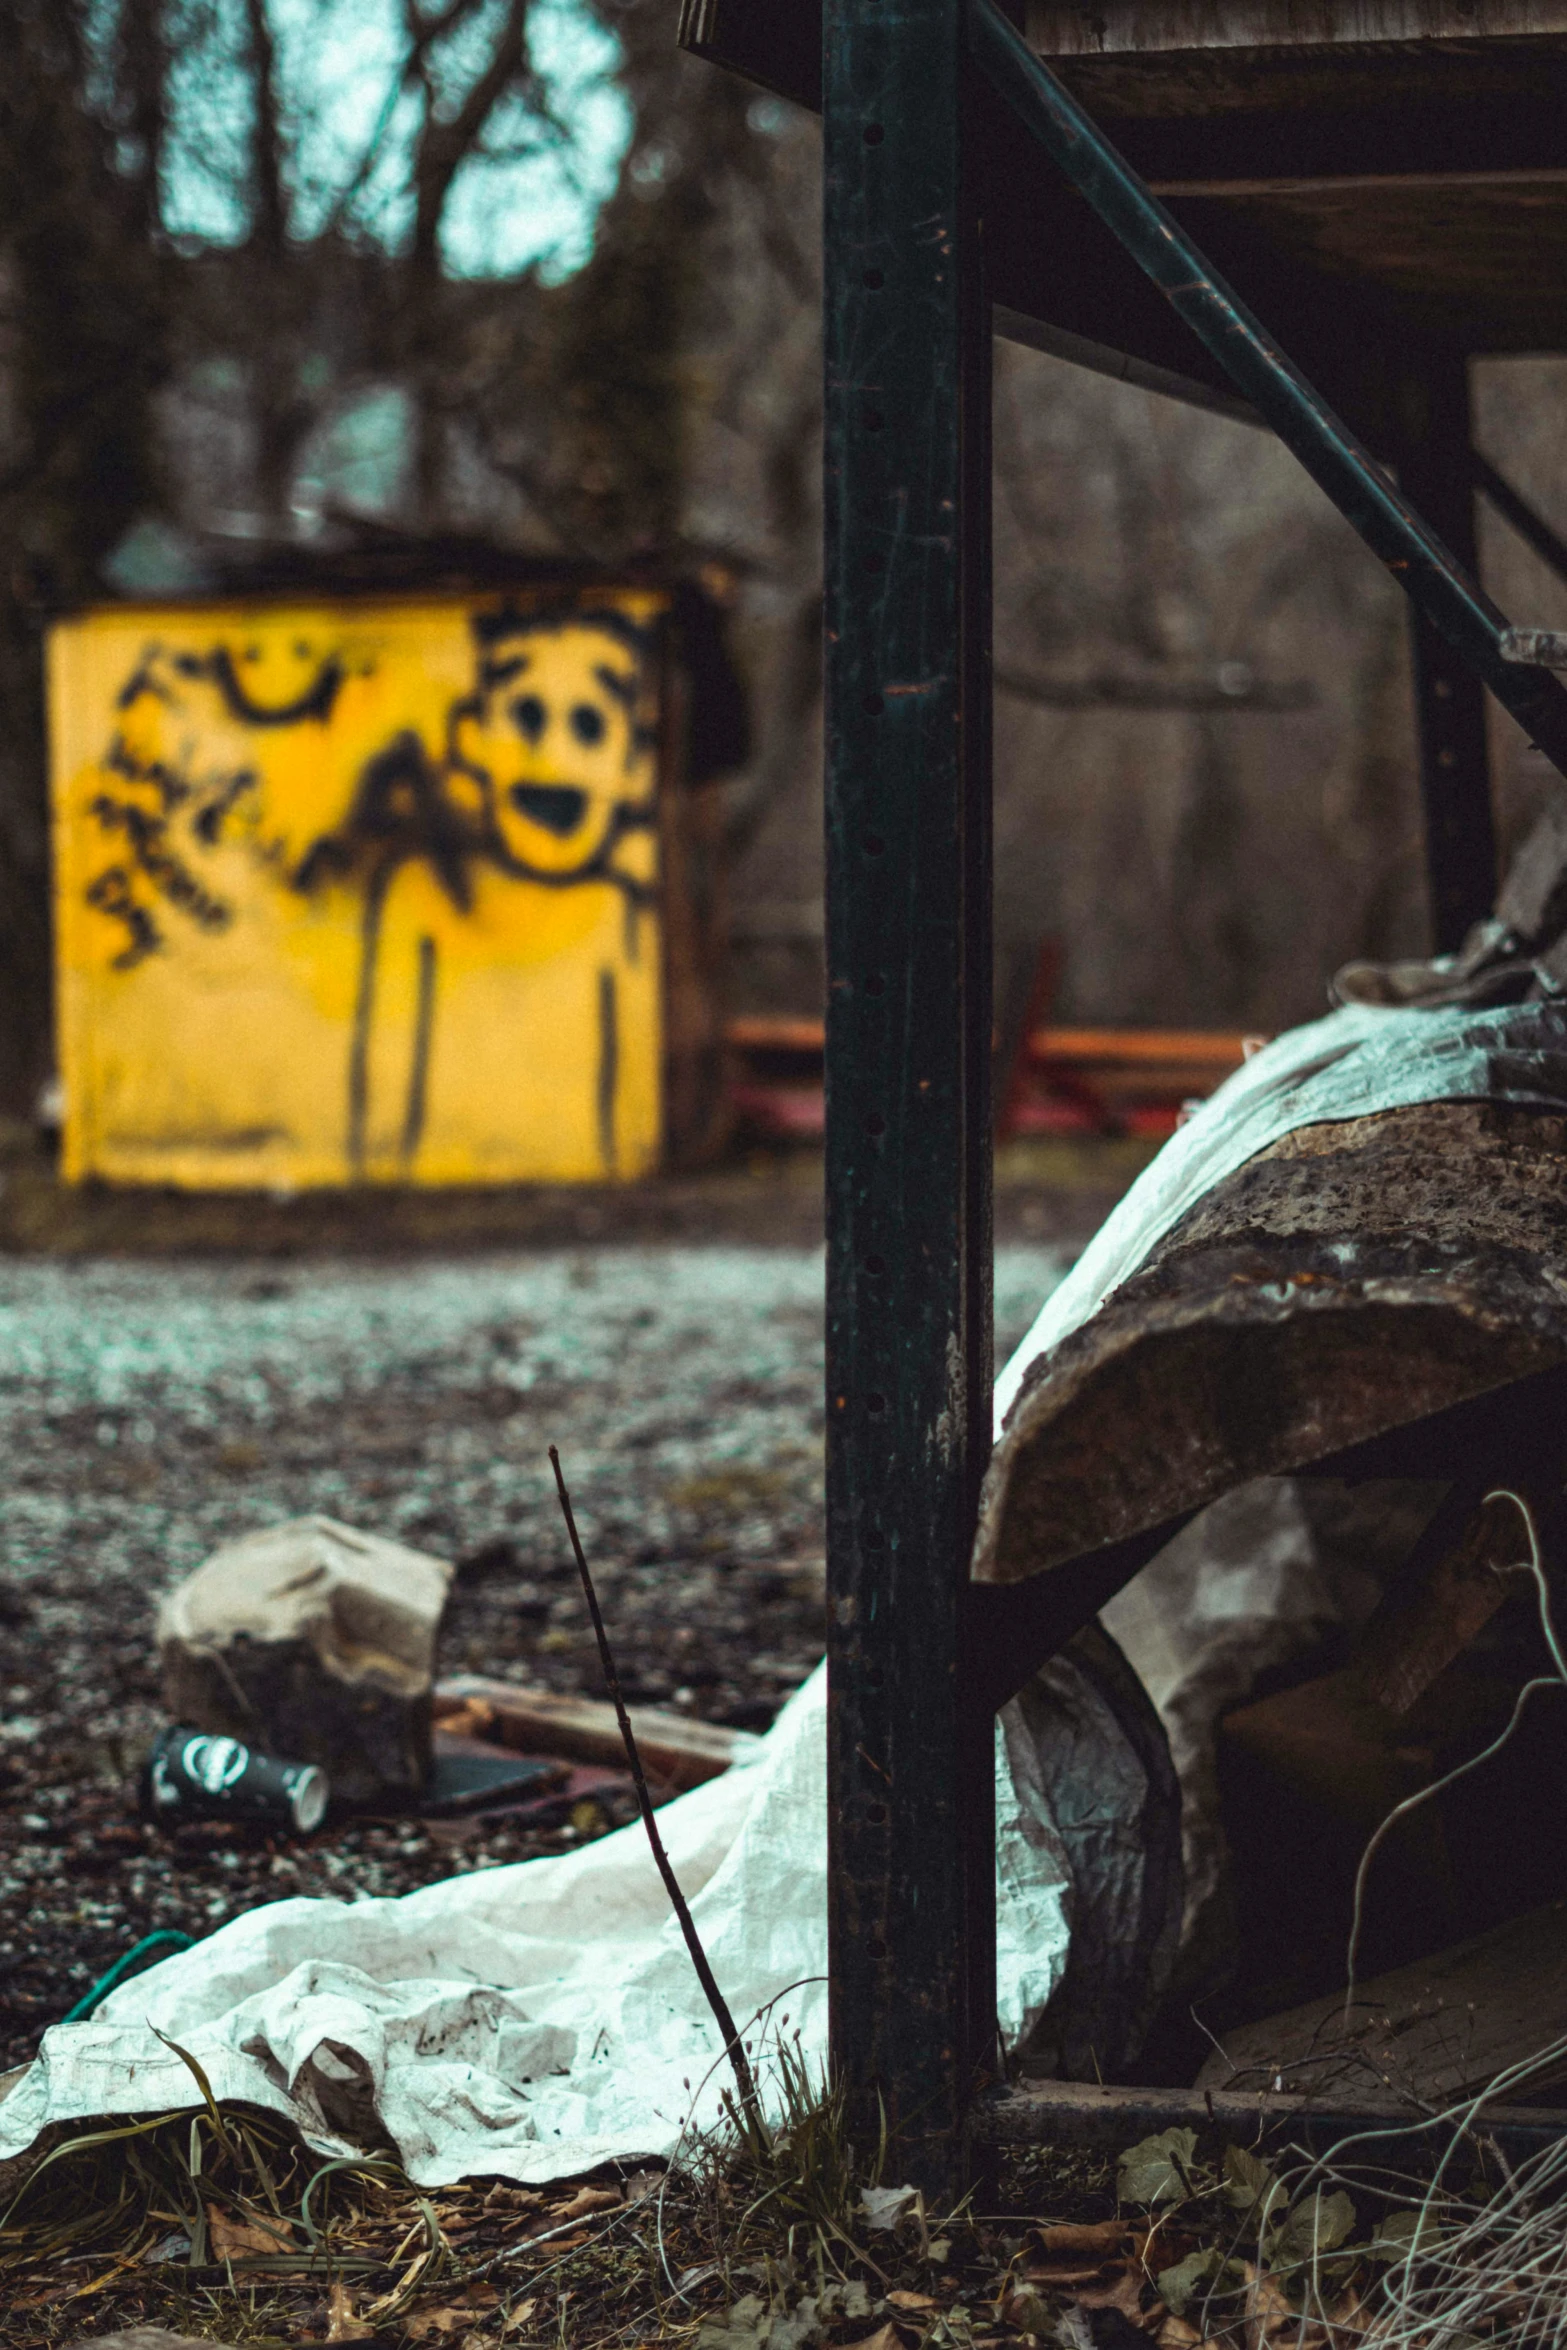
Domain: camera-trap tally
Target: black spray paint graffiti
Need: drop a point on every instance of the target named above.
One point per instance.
(540, 779)
(218, 667)
(155, 798)
(503, 797)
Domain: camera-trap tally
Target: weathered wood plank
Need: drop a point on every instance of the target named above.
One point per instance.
(1437, 2030)
(1065, 28)
(678, 1752)
(1082, 2113)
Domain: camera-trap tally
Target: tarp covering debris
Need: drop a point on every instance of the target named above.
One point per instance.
(536, 2020)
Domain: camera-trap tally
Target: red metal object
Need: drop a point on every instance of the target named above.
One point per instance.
(1064, 1081)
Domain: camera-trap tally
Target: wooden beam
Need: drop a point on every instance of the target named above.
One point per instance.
(1081, 2113)
(675, 1751)
(1148, 27)
(1434, 2031)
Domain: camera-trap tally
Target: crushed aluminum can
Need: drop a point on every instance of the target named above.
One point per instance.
(194, 1774)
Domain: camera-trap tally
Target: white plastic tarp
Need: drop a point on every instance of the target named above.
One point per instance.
(534, 2020)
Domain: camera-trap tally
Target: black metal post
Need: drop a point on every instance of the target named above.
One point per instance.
(1436, 473)
(911, 1826)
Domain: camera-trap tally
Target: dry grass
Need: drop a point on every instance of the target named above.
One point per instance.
(223, 2225)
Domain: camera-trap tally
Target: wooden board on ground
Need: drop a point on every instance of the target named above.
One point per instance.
(1110, 2119)
(1438, 2030)
(677, 1752)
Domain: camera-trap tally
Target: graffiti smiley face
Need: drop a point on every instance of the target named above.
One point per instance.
(554, 738)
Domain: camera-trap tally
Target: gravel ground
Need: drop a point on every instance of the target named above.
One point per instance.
(152, 1410)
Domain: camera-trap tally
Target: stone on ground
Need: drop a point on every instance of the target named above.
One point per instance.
(316, 1643)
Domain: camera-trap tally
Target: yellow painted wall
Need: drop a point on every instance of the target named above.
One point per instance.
(358, 892)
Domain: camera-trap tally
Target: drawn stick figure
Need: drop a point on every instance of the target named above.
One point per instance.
(546, 786)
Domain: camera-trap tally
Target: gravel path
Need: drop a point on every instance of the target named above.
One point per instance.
(150, 1411)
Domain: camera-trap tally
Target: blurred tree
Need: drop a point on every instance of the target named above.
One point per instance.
(83, 349)
(274, 210)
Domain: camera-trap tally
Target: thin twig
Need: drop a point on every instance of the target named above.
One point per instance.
(734, 2048)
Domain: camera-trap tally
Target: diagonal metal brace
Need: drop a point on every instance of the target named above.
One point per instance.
(1436, 583)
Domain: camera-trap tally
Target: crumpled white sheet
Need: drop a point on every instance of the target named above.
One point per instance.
(535, 2020)
(1351, 1064)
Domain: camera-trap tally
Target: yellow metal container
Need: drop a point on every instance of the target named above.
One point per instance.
(359, 892)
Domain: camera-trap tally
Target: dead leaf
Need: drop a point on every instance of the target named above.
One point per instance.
(1175, 2334)
(231, 2239)
(883, 2207)
(410, 2277)
(904, 2300)
(587, 2199)
(519, 2316)
(744, 2327)
(1157, 2169)
(503, 2198)
(885, 2338)
(1125, 2293)
(1349, 2310)
(1101, 2236)
(342, 2325)
(434, 2323)
(1268, 2313)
